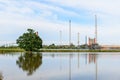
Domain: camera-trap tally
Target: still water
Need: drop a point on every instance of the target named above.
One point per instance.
(60, 66)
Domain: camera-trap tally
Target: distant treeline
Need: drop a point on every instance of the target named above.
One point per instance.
(72, 46)
(61, 48)
(53, 46)
(56, 48)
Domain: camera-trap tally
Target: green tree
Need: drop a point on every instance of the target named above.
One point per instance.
(52, 46)
(29, 41)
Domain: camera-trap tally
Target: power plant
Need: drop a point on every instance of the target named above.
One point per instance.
(92, 42)
(89, 43)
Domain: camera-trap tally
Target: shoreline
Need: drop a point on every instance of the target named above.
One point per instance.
(76, 50)
(6, 50)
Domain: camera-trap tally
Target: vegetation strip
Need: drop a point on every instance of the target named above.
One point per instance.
(10, 50)
(76, 50)
(4, 50)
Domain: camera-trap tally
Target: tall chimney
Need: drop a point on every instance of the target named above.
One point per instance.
(95, 28)
(69, 32)
(60, 37)
(37, 33)
(78, 38)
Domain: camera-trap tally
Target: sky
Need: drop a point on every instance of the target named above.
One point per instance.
(49, 17)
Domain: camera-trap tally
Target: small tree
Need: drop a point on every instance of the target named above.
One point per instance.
(30, 41)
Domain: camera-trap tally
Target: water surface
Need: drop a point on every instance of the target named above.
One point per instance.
(60, 66)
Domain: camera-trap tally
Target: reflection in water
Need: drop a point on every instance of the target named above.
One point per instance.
(89, 58)
(61, 66)
(70, 66)
(29, 62)
(75, 62)
(93, 59)
(78, 60)
(1, 76)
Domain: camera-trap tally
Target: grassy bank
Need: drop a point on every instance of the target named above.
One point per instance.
(76, 50)
(4, 50)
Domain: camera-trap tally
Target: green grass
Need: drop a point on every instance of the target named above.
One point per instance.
(76, 50)
(4, 50)
(7, 50)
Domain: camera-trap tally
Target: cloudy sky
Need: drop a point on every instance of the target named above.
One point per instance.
(49, 17)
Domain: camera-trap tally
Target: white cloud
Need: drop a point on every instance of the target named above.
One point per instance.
(107, 6)
(17, 16)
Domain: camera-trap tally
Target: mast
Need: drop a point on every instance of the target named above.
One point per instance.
(78, 39)
(85, 39)
(95, 28)
(60, 37)
(69, 32)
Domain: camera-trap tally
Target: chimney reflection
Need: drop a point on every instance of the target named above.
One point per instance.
(60, 62)
(89, 58)
(78, 60)
(70, 55)
(93, 59)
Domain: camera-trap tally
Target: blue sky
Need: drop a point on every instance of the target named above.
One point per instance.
(49, 17)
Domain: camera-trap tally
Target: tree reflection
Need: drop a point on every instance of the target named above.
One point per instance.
(29, 62)
(1, 77)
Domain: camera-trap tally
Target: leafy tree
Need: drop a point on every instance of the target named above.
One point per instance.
(52, 46)
(30, 41)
